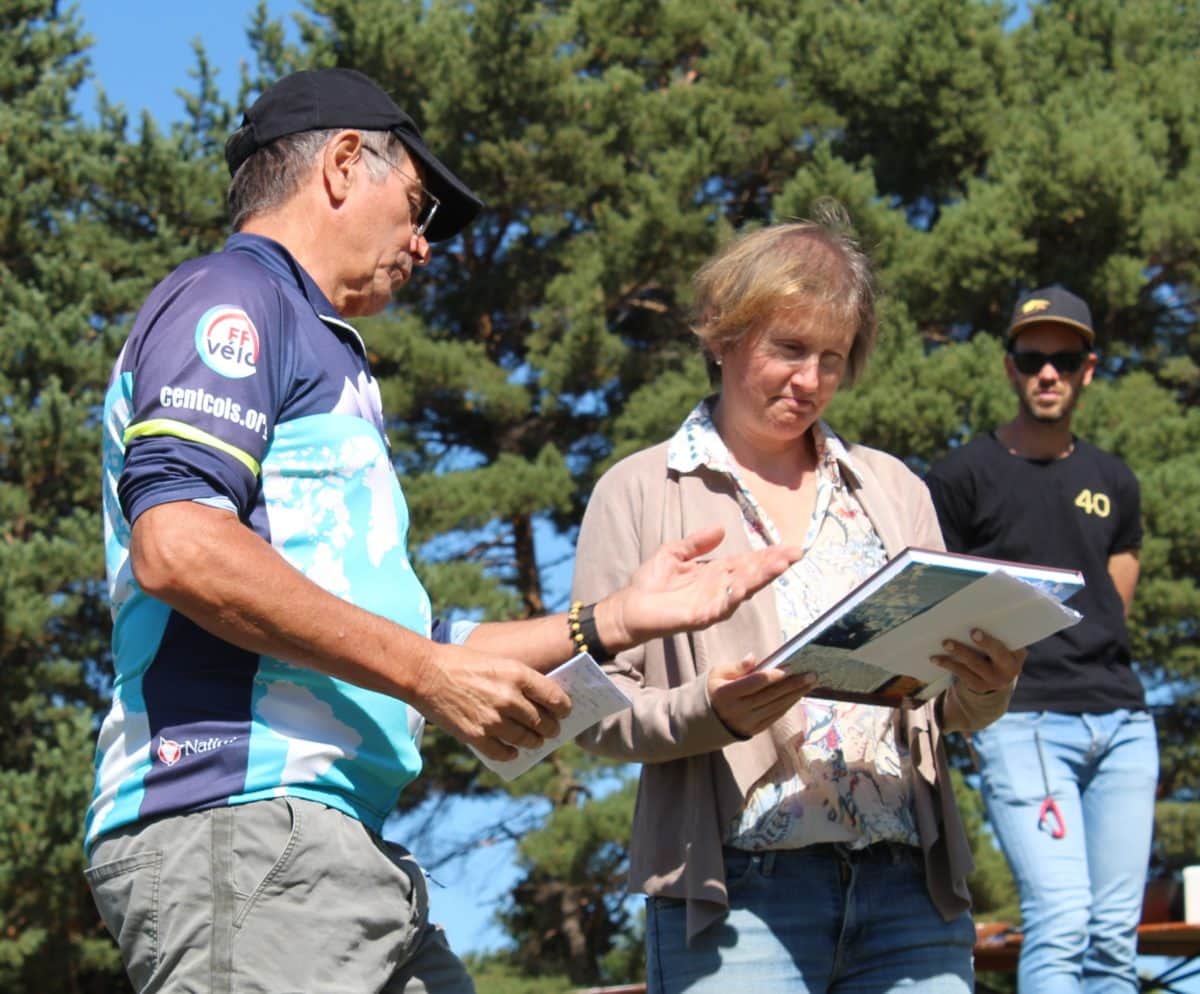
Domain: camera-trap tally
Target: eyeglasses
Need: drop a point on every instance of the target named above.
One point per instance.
(1033, 362)
(422, 214)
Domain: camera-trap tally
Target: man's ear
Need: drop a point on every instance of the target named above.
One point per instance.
(1010, 370)
(1089, 368)
(341, 154)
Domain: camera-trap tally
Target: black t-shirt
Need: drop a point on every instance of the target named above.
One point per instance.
(1073, 513)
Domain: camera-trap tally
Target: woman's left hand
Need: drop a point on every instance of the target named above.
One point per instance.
(983, 666)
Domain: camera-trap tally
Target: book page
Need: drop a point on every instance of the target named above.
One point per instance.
(593, 696)
(843, 675)
(1011, 610)
(908, 594)
(874, 644)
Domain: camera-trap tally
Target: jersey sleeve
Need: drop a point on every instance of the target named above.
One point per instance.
(953, 491)
(1129, 502)
(205, 363)
(452, 632)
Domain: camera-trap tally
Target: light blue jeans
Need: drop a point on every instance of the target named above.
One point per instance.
(814, 921)
(1081, 894)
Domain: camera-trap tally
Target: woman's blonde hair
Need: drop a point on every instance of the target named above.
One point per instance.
(812, 265)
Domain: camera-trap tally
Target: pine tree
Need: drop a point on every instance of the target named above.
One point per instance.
(90, 221)
(52, 617)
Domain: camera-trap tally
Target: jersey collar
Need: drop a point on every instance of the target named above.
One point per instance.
(273, 256)
(281, 262)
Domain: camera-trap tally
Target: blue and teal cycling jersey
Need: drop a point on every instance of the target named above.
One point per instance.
(241, 388)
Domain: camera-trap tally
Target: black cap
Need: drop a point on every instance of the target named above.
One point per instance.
(317, 99)
(1056, 305)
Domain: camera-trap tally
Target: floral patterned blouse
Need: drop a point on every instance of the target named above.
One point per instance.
(843, 774)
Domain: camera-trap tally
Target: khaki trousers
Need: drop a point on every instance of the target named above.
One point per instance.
(280, 896)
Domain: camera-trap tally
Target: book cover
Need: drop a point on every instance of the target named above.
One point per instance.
(874, 644)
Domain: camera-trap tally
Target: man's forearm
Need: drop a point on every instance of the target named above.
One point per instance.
(208, 566)
(675, 590)
(545, 642)
(1124, 569)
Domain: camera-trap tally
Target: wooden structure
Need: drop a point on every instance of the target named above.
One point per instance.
(997, 947)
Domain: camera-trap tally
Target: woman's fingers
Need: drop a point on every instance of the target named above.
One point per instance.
(985, 665)
(748, 700)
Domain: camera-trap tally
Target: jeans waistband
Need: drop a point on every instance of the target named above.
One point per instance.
(876, 852)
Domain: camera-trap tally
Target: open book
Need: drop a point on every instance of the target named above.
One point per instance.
(874, 644)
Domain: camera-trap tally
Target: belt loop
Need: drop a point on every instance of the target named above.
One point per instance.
(768, 863)
(842, 858)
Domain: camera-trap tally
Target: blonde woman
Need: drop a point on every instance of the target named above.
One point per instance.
(785, 844)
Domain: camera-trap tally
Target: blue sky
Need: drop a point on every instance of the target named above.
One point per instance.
(143, 49)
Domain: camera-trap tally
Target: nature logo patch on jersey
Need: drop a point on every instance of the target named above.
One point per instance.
(169, 751)
(228, 342)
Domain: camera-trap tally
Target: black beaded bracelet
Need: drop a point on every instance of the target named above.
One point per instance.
(581, 623)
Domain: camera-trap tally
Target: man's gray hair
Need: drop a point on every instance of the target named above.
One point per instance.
(272, 175)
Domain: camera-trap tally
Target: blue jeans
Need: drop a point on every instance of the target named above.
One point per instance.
(817, 920)
(1081, 894)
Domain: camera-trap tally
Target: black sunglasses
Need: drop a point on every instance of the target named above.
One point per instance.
(1032, 362)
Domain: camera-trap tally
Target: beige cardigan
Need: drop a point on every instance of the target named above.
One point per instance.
(696, 774)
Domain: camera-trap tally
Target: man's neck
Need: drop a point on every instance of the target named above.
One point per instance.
(1032, 439)
(300, 237)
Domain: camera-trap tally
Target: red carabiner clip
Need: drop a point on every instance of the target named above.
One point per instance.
(1050, 807)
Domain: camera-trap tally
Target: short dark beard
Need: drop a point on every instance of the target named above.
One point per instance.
(1044, 418)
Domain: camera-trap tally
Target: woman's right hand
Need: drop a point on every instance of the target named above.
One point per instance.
(748, 700)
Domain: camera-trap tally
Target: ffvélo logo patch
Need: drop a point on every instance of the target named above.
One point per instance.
(228, 342)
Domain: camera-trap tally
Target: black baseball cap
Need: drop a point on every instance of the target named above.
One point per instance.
(1056, 305)
(317, 99)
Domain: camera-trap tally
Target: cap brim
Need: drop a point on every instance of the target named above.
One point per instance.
(459, 205)
(1089, 336)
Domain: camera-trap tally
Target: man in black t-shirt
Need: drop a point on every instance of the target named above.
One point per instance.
(1069, 774)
